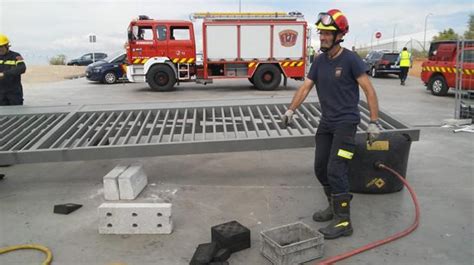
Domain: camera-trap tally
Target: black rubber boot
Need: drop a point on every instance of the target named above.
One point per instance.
(325, 215)
(341, 224)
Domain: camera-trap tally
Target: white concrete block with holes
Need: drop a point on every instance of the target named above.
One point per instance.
(111, 186)
(135, 218)
(131, 182)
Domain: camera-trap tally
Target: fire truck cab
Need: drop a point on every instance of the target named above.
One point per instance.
(263, 47)
(440, 70)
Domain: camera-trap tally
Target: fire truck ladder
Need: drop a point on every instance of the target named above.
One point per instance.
(90, 132)
(246, 15)
(183, 71)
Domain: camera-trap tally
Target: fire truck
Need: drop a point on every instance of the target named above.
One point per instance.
(439, 71)
(261, 47)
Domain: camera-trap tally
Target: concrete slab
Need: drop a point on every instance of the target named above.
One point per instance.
(259, 189)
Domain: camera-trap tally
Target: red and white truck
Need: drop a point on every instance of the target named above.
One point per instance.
(263, 47)
(438, 73)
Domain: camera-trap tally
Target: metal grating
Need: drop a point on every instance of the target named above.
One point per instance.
(98, 134)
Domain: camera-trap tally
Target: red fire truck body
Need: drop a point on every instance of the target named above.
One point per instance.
(262, 47)
(440, 70)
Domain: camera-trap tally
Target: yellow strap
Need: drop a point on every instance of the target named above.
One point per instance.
(345, 154)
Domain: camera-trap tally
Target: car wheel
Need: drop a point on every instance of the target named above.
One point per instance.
(110, 78)
(161, 78)
(267, 77)
(438, 86)
(373, 72)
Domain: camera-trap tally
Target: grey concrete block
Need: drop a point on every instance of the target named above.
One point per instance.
(131, 182)
(135, 218)
(111, 186)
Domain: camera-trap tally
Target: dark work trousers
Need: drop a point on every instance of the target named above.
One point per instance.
(403, 73)
(335, 146)
(7, 99)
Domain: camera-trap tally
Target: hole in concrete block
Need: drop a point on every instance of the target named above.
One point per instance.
(134, 225)
(109, 225)
(159, 225)
(134, 214)
(109, 214)
(159, 214)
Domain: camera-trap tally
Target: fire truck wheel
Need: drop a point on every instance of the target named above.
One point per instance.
(161, 78)
(267, 77)
(438, 86)
(109, 78)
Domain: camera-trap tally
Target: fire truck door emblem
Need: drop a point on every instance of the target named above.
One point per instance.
(288, 38)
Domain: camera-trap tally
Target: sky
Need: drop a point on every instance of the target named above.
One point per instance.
(40, 29)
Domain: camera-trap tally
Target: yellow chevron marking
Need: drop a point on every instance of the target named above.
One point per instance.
(449, 69)
(191, 60)
(251, 65)
(293, 64)
(300, 64)
(443, 70)
(136, 61)
(437, 69)
(145, 60)
(286, 64)
(175, 60)
(183, 60)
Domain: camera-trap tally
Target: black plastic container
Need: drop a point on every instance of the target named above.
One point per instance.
(392, 149)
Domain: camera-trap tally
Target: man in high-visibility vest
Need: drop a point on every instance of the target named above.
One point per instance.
(405, 61)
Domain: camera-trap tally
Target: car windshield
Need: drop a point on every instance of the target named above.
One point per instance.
(392, 57)
(113, 56)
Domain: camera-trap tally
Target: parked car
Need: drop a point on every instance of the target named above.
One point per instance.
(87, 59)
(108, 70)
(381, 63)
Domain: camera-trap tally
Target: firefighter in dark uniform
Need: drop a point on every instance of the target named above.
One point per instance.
(11, 69)
(337, 74)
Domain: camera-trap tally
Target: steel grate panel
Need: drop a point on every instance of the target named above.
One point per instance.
(112, 133)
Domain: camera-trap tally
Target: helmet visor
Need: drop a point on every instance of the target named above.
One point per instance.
(325, 19)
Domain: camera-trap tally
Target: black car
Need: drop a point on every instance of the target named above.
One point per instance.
(87, 59)
(382, 63)
(108, 70)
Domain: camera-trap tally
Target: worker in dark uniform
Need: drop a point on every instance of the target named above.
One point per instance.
(337, 74)
(11, 69)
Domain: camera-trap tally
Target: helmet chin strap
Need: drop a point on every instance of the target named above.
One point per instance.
(334, 43)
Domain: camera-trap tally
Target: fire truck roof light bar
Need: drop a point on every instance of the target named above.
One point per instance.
(91, 132)
(246, 15)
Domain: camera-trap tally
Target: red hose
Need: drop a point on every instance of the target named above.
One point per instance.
(396, 236)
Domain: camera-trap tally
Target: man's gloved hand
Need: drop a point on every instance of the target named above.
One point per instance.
(373, 131)
(286, 118)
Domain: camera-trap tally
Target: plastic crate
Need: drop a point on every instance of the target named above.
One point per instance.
(291, 244)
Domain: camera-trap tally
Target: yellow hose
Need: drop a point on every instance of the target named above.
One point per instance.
(45, 250)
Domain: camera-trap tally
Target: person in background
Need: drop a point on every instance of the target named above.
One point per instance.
(12, 67)
(405, 61)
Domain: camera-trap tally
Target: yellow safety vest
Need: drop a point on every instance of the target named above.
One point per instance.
(405, 59)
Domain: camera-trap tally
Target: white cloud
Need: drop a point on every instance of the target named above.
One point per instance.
(61, 26)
